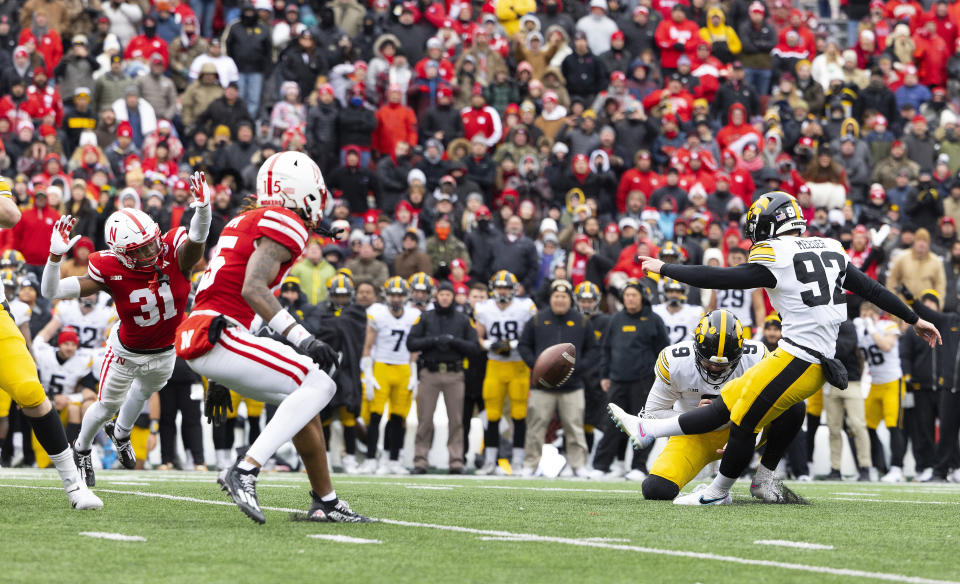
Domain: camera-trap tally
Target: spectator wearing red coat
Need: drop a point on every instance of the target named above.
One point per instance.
(797, 25)
(43, 40)
(395, 123)
(930, 54)
(898, 10)
(148, 43)
(435, 52)
(481, 119)
(946, 28)
(32, 234)
(738, 132)
(706, 68)
(676, 36)
(677, 100)
(641, 177)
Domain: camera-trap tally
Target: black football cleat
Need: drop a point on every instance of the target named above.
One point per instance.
(339, 512)
(124, 449)
(242, 486)
(84, 463)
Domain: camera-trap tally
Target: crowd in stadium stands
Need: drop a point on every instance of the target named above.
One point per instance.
(556, 139)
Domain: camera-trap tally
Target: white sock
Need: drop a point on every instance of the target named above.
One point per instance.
(331, 496)
(663, 427)
(130, 410)
(721, 485)
(490, 455)
(292, 415)
(94, 419)
(66, 467)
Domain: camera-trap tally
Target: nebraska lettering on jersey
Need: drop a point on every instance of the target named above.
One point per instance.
(220, 287)
(148, 318)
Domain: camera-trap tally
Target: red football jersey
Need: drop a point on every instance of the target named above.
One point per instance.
(148, 319)
(220, 287)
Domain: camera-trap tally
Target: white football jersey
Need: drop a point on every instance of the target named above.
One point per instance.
(91, 327)
(391, 344)
(809, 294)
(57, 377)
(20, 312)
(884, 366)
(506, 324)
(679, 386)
(680, 326)
(739, 302)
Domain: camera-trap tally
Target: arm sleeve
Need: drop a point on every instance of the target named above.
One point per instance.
(923, 311)
(871, 290)
(739, 277)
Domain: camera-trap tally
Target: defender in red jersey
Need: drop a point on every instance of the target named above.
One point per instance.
(254, 252)
(148, 277)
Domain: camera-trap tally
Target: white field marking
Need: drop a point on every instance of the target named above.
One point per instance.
(896, 501)
(112, 536)
(500, 487)
(129, 483)
(430, 487)
(342, 538)
(567, 541)
(857, 494)
(793, 544)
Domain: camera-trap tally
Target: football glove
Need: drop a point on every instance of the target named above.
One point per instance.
(217, 403)
(60, 240)
(501, 348)
(321, 353)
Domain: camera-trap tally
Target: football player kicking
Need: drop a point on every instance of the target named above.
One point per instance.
(255, 250)
(805, 279)
(690, 374)
(148, 275)
(18, 378)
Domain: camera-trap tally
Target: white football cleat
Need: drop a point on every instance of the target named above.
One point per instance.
(895, 475)
(767, 490)
(636, 475)
(396, 468)
(700, 498)
(583, 473)
(369, 466)
(925, 476)
(350, 464)
(632, 426)
(81, 497)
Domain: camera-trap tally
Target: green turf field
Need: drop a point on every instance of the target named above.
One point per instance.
(466, 529)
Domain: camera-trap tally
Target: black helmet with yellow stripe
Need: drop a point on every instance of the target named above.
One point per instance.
(718, 345)
(587, 292)
(12, 260)
(773, 214)
(393, 287)
(340, 289)
(503, 280)
(421, 286)
(8, 279)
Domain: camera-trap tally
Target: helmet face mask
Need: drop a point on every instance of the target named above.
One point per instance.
(718, 345)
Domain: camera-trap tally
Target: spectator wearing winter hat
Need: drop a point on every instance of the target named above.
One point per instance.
(925, 205)
(886, 170)
(618, 58)
(481, 120)
(585, 73)
(920, 142)
(393, 234)
(676, 36)
(357, 184)
(758, 38)
(122, 148)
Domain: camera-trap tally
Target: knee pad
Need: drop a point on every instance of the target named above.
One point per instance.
(657, 488)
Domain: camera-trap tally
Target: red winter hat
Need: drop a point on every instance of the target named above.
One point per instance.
(617, 76)
(917, 119)
(611, 228)
(458, 263)
(617, 34)
(444, 91)
(124, 129)
(483, 211)
(181, 185)
(371, 216)
(477, 89)
(47, 130)
(68, 335)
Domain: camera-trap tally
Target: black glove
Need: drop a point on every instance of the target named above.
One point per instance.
(501, 348)
(443, 341)
(217, 403)
(321, 353)
(679, 47)
(332, 232)
(906, 293)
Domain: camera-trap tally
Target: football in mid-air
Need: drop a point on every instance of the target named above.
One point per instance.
(554, 366)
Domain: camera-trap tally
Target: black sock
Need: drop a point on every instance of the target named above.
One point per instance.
(49, 432)
(589, 437)
(739, 451)
(780, 433)
(876, 452)
(373, 434)
(396, 436)
(73, 432)
(229, 433)
(491, 436)
(326, 435)
(703, 420)
(350, 439)
(254, 424)
(519, 432)
(813, 422)
(898, 445)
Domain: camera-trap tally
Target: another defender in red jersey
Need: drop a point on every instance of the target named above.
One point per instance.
(254, 252)
(148, 277)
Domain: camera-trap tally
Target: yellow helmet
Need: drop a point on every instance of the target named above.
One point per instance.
(340, 285)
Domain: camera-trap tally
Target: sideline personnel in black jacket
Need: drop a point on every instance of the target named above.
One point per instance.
(560, 323)
(443, 336)
(634, 339)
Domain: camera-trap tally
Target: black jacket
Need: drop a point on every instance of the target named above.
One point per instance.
(443, 336)
(742, 93)
(918, 361)
(444, 119)
(343, 329)
(356, 125)
(757, 43)
(519, 257)
(546, 329)
(586, 75)
(847, 351)
(322, 127)
(479, 244)
(219, 112)
(632, 344)
(355, 183)
(947, 354)
(301, 67)
(251, 47)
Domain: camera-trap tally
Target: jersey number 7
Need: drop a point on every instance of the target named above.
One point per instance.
(811, 268)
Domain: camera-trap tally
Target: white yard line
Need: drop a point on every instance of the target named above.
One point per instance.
(342, 538)
(856, 500)
(512, 536)
(112, 536)
(793, 544)
(429, 487)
